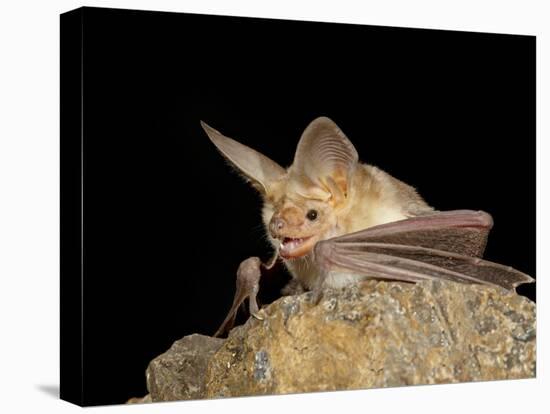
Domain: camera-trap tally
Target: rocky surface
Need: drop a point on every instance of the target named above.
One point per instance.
(179, 373)
(376, 334)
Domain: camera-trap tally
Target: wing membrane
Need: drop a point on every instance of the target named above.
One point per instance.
(445, 245)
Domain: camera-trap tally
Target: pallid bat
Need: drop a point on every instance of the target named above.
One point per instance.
(335, 221)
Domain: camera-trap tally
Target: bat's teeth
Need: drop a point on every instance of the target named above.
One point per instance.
(291, 243)
(291, 247)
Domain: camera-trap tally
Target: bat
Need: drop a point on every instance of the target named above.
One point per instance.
(335, 221)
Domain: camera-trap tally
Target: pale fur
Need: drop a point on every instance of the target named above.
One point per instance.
(375, 197)
(326, 177)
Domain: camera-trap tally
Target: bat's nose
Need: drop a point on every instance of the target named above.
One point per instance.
(276, 226)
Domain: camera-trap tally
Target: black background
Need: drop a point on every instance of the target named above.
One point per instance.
(166, 221)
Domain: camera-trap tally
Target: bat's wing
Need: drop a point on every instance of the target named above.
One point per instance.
(443, 245)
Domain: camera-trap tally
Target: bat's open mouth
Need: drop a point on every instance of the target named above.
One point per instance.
(296, 247)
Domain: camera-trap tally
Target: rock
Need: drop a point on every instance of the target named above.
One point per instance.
(376, 334)
(178, 374)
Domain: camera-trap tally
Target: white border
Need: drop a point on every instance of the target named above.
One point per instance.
(29, 194)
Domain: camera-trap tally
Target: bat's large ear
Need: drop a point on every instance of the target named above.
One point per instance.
(260, 170)
(327, 157)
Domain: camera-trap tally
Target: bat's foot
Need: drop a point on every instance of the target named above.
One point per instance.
(316, 295)
(294, 287)
(317, 289)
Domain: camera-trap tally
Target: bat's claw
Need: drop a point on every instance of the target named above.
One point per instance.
(316, 295)
(317, 290)
(257, 316)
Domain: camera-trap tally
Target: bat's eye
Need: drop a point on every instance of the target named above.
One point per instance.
(311, 215)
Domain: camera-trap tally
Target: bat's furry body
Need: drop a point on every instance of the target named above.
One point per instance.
(372, 196)
(335, 221)
(375, 198)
